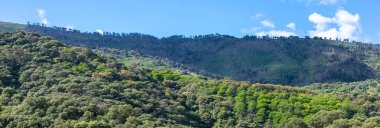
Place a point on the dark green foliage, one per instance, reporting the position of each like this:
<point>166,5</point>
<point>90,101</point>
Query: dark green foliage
<point>119,114</point>
<point>44,83</point>
<point>324,118</point>
<point>341,123</point>
<point>296,123</point>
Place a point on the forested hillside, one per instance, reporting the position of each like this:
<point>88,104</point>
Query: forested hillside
<point>279,60</point>
<point>44,83</point>
<point>136,60</point>
<point>11,27</point>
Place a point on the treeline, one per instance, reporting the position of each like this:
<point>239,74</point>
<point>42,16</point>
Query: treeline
<point>356,88</point>
<point>279,60</point>
<point>45,83</point>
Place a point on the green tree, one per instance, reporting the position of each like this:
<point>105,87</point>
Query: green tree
<point>325,118</point>
<point>296,123</point>
<point>119,113</point>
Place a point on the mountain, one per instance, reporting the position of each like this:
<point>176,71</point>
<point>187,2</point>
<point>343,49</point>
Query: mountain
<point>44,83</point>
<point>279,60</point>
<point>11,27</point>
<point>133,59</point>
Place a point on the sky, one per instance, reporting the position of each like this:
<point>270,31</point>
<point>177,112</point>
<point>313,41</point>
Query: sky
<point>344,19</point>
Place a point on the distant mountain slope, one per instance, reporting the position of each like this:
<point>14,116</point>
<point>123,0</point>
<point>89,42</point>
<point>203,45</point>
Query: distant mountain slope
<point>288,61</point>
<point>368,87</point>
<point>133,59</point>
<point>11,27</point>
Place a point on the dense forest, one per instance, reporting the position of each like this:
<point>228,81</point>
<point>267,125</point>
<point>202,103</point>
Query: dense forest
<point>279,60</point>
<point>45,83</point>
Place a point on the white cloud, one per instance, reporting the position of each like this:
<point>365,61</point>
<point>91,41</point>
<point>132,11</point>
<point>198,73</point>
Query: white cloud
<point>348,25</point>
<point>329,2</point>
<point>99,31</point>
<point>41,12</point>
<point>249,31</point>
<point>257,16</point>
<point>272,33</point>
<point>275,33</point>
<point>267,23</point>
<point>261,31</point>
<point>42,15</point>
<point>291,26</point>
<point>321,2</point>
<point>70,27</point>
<point>320,21</point>
<point>331,33</point>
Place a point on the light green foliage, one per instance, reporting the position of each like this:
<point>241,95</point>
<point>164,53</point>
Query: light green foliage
<point>82,67</point>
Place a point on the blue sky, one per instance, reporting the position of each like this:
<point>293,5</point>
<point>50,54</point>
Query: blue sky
<point>352,19</point>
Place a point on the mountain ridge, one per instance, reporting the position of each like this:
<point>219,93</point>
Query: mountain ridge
<point>280,60</point>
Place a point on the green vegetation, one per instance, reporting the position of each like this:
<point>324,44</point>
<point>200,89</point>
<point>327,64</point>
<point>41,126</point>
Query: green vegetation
<point>356,88</point>
<point>11,27</point>
<point>47,84</point>
<point>135,60</point>
<point>279,60</point>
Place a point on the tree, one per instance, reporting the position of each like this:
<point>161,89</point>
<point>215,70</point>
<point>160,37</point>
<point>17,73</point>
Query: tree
<point>325,118</point>
<point>341,123</point>
<point>296,123</point>
<point>82,68</point>
<point>240,103</point>
<point>260,117</point>
<point>119,113</point>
